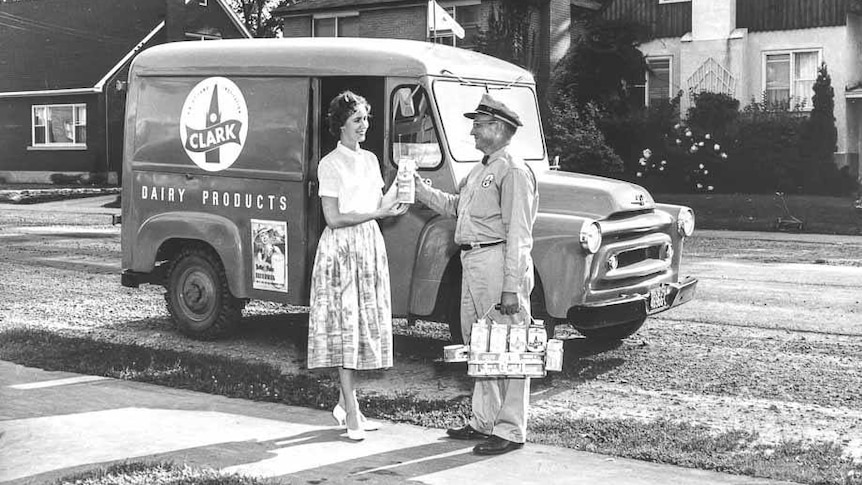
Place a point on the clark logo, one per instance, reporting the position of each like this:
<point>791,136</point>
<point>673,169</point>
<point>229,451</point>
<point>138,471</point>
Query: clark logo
<point>214,124</point>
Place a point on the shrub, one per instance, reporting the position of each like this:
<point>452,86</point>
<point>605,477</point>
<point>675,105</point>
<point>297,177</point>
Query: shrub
<point>66,179</point>
<point>714,113</point>
<point>630,133</point>
<point>684,160</point>
<point>819,142</point>
<point>574,136</point>
<point>765,156</point>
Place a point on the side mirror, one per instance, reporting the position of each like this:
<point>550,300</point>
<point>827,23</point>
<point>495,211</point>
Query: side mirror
<point>555,163</point>
<point>405,102</point>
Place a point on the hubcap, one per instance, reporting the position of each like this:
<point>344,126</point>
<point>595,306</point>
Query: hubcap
<point>198,293</point>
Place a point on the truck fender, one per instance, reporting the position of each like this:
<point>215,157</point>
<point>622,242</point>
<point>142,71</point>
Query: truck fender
<point>216,231</point>
<point>435,249</point>
<point>562,265</point>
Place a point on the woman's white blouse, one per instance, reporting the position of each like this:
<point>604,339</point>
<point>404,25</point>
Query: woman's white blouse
<point>353,177</point>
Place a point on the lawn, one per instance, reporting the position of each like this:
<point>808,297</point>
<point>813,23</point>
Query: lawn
<point>760,212</point>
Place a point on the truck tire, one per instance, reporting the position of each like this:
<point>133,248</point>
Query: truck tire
<point>198,297</point>
<point>617,332</point>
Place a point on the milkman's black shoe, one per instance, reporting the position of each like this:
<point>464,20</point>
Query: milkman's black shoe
<point>496,446</point>
<point>466,433</point>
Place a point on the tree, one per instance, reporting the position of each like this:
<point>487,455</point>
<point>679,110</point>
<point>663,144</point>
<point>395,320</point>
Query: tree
<point>822,133</point>
<point>819,142</point>
<point>574,137</point>
<point>509,35</point>
<point>255,14</point>
<point>603,65</point>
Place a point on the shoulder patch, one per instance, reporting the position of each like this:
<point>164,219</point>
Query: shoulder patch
<point>486,182</point>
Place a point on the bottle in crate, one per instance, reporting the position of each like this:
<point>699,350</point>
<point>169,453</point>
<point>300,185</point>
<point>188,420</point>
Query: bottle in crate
<point>518,338</point>
<point>499,337</point>
<point>479,336</point>
<point>554,355</point>
<point>537,337</point>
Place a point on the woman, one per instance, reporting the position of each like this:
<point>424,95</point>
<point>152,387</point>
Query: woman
<point>350,322</point>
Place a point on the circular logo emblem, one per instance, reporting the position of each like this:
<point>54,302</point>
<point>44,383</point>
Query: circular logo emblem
<point>214,123</point>
<point>486,182</point>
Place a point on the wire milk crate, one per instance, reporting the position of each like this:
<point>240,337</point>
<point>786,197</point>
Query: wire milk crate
<point>501,350</point>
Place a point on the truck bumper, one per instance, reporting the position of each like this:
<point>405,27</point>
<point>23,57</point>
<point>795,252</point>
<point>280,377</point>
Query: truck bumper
<point>134,279</point>
<point>632,307</point>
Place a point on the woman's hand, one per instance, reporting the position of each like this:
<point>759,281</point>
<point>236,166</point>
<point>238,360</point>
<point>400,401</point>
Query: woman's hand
<point>389,207</point>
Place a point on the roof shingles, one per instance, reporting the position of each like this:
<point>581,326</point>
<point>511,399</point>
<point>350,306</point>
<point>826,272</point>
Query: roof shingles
<point>67,44</point>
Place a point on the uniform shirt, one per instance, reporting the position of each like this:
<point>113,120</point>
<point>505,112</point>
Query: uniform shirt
<point>498,201</point>
<point>353,177</point>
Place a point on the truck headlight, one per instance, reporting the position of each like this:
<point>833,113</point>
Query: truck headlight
<point>685,222</point>
<point>591,237</point>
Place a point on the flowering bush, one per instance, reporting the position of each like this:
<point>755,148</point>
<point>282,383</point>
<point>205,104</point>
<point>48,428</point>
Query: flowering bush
<point>685,161</point>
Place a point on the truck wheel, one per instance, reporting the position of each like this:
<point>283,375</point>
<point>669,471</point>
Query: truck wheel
<point>617,332</point>
<point>198,297</point>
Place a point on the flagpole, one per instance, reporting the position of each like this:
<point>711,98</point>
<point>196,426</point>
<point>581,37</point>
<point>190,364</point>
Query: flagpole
<point>433,5</point>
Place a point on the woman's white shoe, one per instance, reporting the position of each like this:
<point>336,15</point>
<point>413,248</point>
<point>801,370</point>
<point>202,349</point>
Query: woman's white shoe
<point>367,424</point>
<point>356,434</point>
<point>340,416</point>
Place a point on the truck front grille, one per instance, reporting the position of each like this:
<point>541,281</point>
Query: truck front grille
<point>635,249</point>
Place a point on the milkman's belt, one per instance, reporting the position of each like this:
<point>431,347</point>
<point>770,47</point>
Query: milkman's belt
<point>467,247</point>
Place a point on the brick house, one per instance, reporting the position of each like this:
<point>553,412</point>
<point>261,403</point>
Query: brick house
<point>64,63</point>
<point>763,50</point>
<point>408,19</point>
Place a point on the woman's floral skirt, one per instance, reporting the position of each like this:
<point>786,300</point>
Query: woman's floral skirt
<point>350,321</point>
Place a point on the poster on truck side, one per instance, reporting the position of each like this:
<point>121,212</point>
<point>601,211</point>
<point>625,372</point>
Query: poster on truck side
<point>269,243</point>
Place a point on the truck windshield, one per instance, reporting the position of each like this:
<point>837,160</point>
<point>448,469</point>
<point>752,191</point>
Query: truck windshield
<point>455,98</point>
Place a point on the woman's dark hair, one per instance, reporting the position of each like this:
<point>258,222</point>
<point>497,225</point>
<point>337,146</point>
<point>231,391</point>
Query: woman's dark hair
<point>341,107</point>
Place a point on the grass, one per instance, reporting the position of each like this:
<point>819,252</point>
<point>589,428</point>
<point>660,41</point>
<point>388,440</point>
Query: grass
<point>696,446</point>
<point>161,473</point>
<point>660,441</point>
<point>759,212</point>
<point>213,374</point>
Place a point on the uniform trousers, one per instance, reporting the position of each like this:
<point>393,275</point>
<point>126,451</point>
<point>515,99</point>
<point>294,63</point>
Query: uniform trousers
<point>499,404</point>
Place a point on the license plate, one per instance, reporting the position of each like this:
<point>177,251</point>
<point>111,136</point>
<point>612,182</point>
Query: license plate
<point>658,298</point>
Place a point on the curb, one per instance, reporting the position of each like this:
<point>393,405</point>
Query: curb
<point>34,196</point>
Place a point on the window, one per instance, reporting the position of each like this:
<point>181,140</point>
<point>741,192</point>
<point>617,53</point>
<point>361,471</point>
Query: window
<point>414,134</point>
<point>455,98</point>
<point>60,125</point>
<point>658,80</point>
<point>789,77</point>
<point>343,25</point>
<point>467,16</point>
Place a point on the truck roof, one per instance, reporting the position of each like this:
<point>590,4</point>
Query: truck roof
<point>324,56</point>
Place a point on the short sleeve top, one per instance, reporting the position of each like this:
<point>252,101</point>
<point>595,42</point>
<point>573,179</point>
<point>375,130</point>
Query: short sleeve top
<point>353,177</point>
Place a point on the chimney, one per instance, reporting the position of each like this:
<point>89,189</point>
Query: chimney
<point>712,19</point>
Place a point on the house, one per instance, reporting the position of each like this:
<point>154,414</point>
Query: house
<point>410,19</point>
<point>64,65</point>
<point>762,50</point>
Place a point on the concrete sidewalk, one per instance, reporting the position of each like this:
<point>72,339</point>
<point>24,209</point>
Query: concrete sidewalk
<point>53,424</point>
